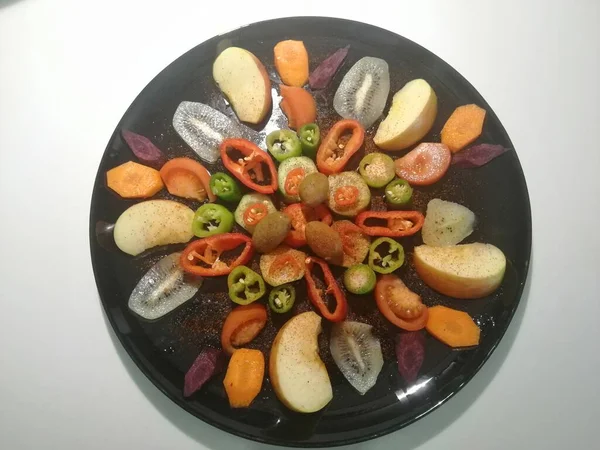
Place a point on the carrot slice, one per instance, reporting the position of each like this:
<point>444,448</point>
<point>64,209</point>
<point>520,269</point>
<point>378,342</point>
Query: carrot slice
<point>244,377</point>
<point>291,61</point>
<point>452,327</point>
<point>242,325</point>
<point>463,127</point>
<point>133,180</point>
<point>187,178</point>
<point>298,105</point>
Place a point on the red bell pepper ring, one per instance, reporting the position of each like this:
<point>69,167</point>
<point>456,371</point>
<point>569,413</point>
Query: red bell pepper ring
<point>337,148</point>
<point>316,295</point>
<point>300,214</point>
<point>399,223</point>
<point>209,250</point>
<point>249,168</point>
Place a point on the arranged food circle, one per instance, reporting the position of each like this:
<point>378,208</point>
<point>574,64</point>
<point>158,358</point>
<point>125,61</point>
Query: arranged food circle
<point>304,247</point>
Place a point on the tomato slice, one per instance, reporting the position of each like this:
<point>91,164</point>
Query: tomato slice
<point>293,180</point>
<point>255,213</point>
<point>424,165</point>
<point>300,214</point>
<point>187,178</point>
<point>346,195</point>
<point>400,305</point>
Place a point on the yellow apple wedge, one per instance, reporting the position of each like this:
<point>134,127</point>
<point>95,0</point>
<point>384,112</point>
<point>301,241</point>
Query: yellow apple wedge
<point>461,271</point>
<point>297,373</point>
<point>152,223</point>
<point>411,116</point>
<point>245,82</point>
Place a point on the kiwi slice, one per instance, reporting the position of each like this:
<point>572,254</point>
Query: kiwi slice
<point>357,353</point>
<point>162,289</point>
<point>363,92</point>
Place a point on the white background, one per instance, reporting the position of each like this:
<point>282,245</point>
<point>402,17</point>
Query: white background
<point>68,71</point>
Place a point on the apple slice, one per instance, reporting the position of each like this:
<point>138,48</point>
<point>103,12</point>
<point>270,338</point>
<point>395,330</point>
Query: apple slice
<point>152,223</point>
<point>245,82</point>
<point>411,116</point>
<point>461,271</point>
<point>297,373</point>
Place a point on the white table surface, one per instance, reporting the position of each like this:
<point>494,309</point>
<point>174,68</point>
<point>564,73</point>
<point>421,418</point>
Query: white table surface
<point>68,71</point>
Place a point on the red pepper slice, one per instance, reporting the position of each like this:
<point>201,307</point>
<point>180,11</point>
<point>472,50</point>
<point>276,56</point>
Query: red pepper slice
<point>293,180</point>
<point>316,295</point>
<point>399,223</point>
<point>249,168</point>
<point>209,251</point>
<point>337,147</point>
<point>255,213</point>
<point>346,195</point>
<point>300,214</point>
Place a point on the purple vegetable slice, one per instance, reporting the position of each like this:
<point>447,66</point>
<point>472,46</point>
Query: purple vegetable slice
<point>144,149</point>
<point>210,362</point>
<point>324,73</point>
<point>410,351</point>
<point>477,155</point>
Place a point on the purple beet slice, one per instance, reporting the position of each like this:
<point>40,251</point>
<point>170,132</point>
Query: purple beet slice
<point>477,155</point>
<point>144,149</point>
<point>210,362</point>
<point>324,73</point>
<point>410,352</point>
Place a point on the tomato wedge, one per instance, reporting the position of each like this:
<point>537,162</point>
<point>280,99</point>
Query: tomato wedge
<point>355,243</point>
<point>400,305</point>
<point>249,165</point>
<point>208,251</point>
<point>242,325</point>
<point>425,164</point>
<point>300,214</point>
<point>338,146</point>
<point>298,105</point>
<point>187,178</point>
<point>293,180</point>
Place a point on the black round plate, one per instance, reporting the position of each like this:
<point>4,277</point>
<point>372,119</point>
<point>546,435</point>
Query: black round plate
<point>164,349</point>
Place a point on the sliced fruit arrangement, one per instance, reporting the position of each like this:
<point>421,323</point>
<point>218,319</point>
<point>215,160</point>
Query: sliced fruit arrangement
<point>289,197</point>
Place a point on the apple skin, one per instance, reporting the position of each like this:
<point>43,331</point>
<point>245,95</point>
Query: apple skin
<point>245,82</point>
<point>461,271</point>
<point>408,101</point>
<point>297,373</point>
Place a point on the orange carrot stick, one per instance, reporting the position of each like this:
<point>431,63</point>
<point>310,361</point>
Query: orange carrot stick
<point>133,180</point>
<point>452,327</point>
<point>291,61</point>
<point>244,377</point>
<point>463,127</point>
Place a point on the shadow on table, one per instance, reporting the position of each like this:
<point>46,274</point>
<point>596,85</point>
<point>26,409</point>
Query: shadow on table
<point>5,3</point>
<point>410,437</point>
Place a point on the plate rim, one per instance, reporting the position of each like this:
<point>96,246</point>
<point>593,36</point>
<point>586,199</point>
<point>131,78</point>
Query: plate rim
<point>133,354</point>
